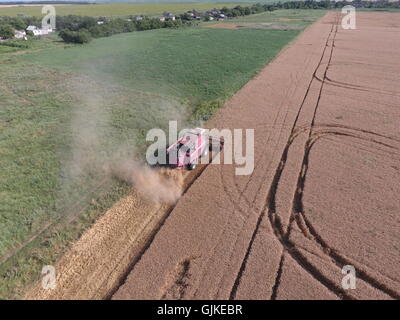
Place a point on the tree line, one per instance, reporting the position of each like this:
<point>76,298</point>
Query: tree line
<point>81,29</point>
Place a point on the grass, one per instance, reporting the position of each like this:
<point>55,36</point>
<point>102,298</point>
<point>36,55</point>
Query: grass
<point>66,111</point>
<point>7,49</point>
<point>396,10</point>
<point>114,9</point>
<point>290,16</point>
<point>173,62</point>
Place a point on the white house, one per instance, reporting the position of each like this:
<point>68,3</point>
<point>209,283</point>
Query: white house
<point>39,32</point>
<point>19,34</point>
<point>169,16</point>
<point>31,28</point>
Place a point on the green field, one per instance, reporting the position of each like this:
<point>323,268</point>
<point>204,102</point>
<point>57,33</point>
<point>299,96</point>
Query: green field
<point>114,9</point>
<point>66,111</point>
<point>291,16</point>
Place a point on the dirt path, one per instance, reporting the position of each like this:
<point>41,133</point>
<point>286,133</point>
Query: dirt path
<point>324,191</point>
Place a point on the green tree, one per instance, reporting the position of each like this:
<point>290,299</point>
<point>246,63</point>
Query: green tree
<point>6,31</point>
<point>81,36</point>
<point>19,24</point>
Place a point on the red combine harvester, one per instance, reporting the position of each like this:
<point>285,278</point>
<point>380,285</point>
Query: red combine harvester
<point>186,151</point>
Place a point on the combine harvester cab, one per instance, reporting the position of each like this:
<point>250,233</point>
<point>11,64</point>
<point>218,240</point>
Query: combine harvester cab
<point>186,151</point>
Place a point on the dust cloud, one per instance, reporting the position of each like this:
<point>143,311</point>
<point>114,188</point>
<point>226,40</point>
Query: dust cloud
<point>100,151</point>
<point>160,185</point>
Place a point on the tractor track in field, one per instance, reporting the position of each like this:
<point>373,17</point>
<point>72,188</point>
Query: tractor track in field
<point>264,155</point>
<point>280,234</point>
<point>297,215</point>
<point>240,193</point>
<point>350,86</point>
<point>236,198</point>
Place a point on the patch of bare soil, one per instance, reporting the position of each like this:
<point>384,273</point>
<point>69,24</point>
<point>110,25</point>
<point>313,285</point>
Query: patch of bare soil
<point>324,191</point>
<point>223,26</point>
<point>288,19</point>
<point>259,25</point>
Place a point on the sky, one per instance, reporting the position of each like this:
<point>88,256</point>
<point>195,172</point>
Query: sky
<point>183,1</point>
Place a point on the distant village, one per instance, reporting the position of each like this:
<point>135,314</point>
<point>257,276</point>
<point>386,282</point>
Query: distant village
<point>214,14</point>
<point>30,30</point>
<point>210,15</point>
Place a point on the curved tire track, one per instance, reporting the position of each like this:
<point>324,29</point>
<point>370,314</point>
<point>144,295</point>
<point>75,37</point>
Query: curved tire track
<point>297,208</point>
